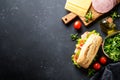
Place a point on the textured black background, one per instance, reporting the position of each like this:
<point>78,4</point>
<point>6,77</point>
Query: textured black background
<point>34,42</point>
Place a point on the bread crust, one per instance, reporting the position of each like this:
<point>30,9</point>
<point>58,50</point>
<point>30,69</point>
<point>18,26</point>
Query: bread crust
<point>89,50</point>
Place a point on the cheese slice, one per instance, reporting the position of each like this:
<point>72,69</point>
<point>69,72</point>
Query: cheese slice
<point>79,7</point>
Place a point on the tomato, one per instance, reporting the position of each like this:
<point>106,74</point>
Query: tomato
<point>97,66</point>
<point>82,43</point>
<point>103,60</point>
<point>75,57</point>
<point>77,25</point>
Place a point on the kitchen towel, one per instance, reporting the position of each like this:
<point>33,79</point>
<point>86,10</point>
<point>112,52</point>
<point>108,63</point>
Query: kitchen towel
<point>109,72</point>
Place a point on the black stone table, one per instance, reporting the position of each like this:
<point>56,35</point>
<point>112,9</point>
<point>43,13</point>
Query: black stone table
<point>35,44</point>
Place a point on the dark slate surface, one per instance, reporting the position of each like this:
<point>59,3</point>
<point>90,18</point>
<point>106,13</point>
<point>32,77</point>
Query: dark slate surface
<point>34,42</point>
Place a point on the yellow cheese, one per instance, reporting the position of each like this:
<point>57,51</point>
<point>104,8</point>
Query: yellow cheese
<point>79,7</point>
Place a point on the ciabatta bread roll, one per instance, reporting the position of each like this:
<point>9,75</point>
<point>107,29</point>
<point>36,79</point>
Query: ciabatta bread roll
<point>86,49</point>
<point>89,50</point>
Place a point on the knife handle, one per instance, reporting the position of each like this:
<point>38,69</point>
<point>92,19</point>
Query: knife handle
<point>69,17</point>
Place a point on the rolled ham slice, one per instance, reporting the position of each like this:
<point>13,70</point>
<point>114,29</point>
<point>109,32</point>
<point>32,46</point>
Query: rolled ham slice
<point>103,6</point>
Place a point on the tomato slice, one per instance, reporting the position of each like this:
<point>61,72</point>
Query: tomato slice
<point>82,42</point>
<point>75,57</point>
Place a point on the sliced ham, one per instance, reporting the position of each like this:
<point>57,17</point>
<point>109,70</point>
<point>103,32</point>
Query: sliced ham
<point>103,6</point>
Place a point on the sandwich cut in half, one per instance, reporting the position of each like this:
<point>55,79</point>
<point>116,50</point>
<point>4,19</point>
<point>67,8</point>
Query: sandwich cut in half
<point>86,49</point>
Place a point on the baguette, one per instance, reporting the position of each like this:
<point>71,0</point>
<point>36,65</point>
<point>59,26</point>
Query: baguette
<point>89,50</point>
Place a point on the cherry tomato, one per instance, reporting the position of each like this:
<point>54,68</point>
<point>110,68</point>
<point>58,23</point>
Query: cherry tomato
<point>77,25</point>
<point>103,60</point>
<point>97,66</point>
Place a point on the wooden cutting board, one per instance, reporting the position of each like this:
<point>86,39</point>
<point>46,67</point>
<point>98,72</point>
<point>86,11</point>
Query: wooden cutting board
<point>69,17</point>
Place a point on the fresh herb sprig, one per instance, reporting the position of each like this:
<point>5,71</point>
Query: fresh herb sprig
<point>115,15</point>
<point>91,72</point>
<point>88,16</point>
<point>74,36</point>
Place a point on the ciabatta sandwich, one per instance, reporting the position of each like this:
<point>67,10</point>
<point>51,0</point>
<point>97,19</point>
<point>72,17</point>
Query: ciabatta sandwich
<point>86,49</point>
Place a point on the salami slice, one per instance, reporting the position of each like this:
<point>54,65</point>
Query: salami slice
<point>103,6</point>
